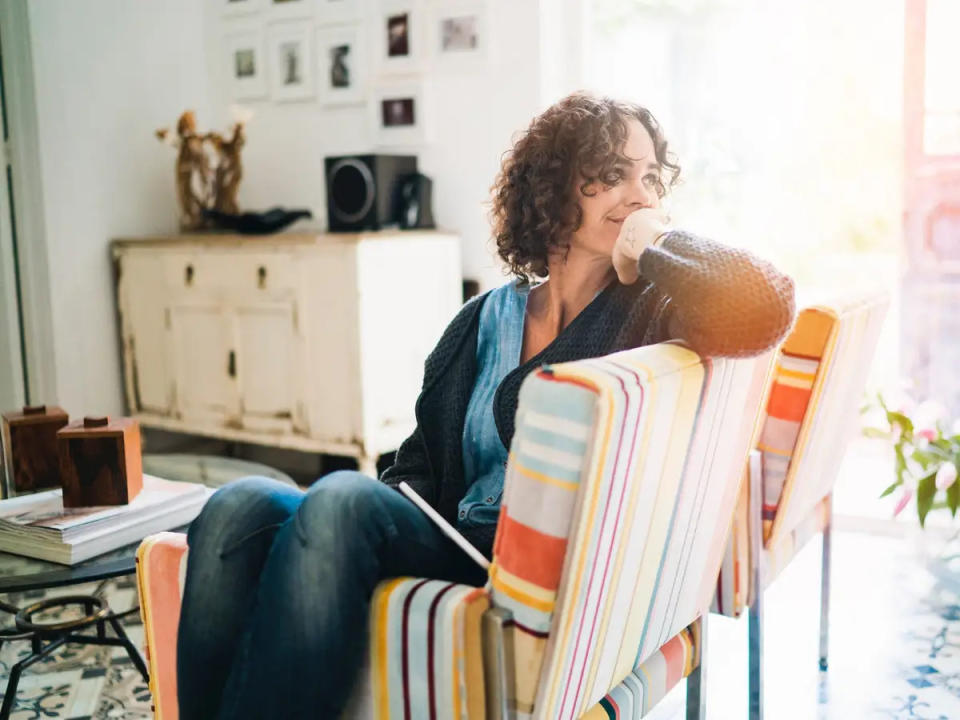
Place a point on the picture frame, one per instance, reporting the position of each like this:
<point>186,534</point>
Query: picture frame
<point>291,9</point>
<point>244,64</point>
<point>291,61</point>
<point>400,114</point>
<point>342,64</point>
<point>459,34</point>
<point>398,37</point>
<point>331,12</point>
<point>238,8</point>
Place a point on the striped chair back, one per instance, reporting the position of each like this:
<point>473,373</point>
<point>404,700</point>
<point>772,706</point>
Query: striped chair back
<point>819,381</point>
<point>621,482</point>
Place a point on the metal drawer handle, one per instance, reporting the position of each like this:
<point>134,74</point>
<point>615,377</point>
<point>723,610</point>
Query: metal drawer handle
<point>188,275</point>
<point>232,364</point>
<point>261,277</point>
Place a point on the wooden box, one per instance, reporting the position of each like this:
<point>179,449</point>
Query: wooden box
<point>30,448</point>
<point>100,462</point>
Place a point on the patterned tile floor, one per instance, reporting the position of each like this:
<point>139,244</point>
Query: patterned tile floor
<point>894,642</point>
<point>80,682</point>
<point>894,651</point>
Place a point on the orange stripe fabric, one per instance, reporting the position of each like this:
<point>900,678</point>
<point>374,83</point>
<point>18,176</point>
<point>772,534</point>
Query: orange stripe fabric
<point>788,403</point>
<point>530,554</point>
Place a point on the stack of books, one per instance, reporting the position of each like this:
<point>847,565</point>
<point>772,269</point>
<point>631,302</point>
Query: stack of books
<point>39,526</point>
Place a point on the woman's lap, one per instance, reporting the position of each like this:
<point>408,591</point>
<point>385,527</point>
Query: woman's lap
<point>290,574</point>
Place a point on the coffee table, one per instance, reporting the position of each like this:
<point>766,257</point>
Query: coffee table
<point>19,574</point>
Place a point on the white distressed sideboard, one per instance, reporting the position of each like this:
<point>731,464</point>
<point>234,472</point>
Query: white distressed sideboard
<point>308,341</point>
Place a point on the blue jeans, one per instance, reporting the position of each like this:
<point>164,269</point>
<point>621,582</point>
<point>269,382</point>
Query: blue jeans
<point>278,587</point>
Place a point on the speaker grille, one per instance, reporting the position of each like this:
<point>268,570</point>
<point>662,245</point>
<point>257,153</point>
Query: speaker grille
<point>352,190</point>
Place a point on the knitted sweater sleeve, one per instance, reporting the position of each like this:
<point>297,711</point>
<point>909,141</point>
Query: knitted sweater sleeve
<point>720,300</point>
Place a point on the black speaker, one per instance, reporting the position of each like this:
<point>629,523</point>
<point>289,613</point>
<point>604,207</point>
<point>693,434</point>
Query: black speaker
<point>416,207</point>
<point>363,191</point>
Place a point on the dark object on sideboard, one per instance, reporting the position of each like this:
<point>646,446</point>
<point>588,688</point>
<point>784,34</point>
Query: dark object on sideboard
<point>100,461</point>
<point>471,288</point>
<point>416,202</point>
<point>30,448</point>
<point>251,223</point>
<point>363,191</point>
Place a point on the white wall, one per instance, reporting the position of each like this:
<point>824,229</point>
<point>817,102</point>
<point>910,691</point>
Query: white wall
<point>474,114</point>
<point>107,73</point>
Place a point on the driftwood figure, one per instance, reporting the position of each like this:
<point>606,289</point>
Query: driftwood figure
<point>208,170</point>
<point>229,170</point>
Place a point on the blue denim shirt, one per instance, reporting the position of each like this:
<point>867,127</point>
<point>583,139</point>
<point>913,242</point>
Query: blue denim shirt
<point>499,343</point>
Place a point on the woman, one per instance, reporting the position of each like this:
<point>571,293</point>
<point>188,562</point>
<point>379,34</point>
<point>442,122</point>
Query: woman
<point>279,581</point>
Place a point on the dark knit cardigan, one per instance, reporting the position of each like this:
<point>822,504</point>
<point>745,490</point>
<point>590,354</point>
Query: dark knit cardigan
<point>719,300</point>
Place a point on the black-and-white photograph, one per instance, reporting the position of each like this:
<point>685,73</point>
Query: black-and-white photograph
<point>398,112</point>
<point>340,62</point>
<point>341,67</point>
<point>244,63</point>
<point>289,9</point>
<point>232,8</point>
<point>398,35</point>
<point>459,34</point>
<point>291,64</point>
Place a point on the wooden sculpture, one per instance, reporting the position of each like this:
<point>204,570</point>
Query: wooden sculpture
<point>30,448</point>
<point>100,461</point>
<point>208,170</point>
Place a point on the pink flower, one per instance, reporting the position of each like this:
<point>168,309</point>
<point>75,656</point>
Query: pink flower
<point>928,434</point>
<point>902,502</point>
<point>946,476</point>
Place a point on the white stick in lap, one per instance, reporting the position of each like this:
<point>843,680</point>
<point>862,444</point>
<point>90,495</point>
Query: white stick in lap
<point>447,528</point>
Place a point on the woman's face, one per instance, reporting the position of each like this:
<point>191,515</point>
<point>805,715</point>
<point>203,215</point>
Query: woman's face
<point>605,209</point>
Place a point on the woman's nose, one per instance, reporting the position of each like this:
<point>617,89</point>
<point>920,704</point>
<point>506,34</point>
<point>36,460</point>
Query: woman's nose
<point>641,195</point>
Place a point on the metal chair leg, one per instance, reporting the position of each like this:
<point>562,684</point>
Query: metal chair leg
<point>755,614</point>
<point>697,680</point>
<point>825,589</point>
<point>755,651</point>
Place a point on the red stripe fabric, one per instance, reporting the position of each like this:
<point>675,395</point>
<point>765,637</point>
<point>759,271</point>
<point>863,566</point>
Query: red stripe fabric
<point>530,554</point>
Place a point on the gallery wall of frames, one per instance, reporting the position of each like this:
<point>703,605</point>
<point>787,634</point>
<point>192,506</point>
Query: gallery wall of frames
<point>371,53</point>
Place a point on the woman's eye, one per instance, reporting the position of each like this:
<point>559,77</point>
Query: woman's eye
<point>651,180</point>
<point>613,177</point>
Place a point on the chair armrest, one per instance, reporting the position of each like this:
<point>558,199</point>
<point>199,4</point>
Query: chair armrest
<point>161,566</point>
<point>426,650</point>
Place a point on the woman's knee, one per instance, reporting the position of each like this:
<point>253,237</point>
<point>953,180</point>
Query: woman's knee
<point>240,508</point>
<point>345,507</point>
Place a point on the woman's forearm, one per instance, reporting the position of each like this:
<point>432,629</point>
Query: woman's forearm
<point>722,300</point>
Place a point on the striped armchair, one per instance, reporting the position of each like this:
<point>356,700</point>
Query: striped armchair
<point>811,413</point>
<point>623,475</point>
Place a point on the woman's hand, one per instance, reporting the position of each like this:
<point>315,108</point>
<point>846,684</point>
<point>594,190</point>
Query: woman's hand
<point>640,229</point>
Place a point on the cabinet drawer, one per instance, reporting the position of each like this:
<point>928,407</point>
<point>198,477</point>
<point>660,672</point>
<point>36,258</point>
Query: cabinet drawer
<point>231,271</point>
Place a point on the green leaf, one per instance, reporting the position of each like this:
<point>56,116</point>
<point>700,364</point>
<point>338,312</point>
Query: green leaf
<point>926,489</point>
<point>890,489</point>
<point>902,420</point>
<point>873,432</point>
<point>900,462</point>
<point>953,498</point>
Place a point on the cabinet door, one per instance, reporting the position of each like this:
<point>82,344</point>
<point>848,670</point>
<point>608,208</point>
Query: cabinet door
<point>267,365</point>
<point>144,328</point>
<point>205,362</point>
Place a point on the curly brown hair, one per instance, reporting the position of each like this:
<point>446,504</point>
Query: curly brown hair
<point>578,141</point>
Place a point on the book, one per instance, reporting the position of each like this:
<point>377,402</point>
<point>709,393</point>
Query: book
<point>39,526</point>
<point>446,528</point>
